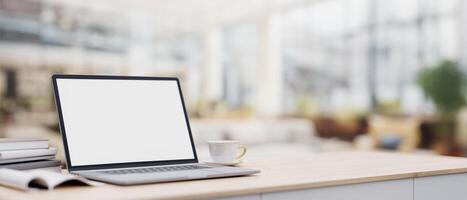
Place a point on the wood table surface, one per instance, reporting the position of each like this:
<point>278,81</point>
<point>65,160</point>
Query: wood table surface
<point>277,174</point>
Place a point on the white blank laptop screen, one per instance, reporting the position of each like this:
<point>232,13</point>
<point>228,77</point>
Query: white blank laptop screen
<point>117,121</point>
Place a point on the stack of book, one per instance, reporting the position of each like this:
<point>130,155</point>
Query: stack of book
<point>23,154</point>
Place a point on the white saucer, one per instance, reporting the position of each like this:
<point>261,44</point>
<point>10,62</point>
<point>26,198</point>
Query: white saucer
<point>231,163</point>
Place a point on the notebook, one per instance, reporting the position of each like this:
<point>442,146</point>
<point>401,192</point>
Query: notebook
<point>14,154</point>
<point>32,164</point>
<point>29,159</point>
<point>17,144</point>
<point>39,179</point>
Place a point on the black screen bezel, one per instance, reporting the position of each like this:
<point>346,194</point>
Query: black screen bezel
<point>125,164</point>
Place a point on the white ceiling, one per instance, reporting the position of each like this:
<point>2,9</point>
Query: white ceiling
<point>191,15</point>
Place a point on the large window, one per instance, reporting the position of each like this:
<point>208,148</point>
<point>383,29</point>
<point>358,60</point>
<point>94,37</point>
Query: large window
<point>360,53</point>
<point>240,61</point>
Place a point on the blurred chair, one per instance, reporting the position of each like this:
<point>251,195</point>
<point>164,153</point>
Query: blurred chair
<point>405,129</point>
<point>462,128</point>
<point>332,127</point>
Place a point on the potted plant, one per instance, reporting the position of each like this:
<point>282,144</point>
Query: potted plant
<point>445,85</point>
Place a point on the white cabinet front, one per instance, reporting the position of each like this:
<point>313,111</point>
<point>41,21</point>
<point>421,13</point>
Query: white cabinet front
<point>384,190</point>
<point>452,187</point>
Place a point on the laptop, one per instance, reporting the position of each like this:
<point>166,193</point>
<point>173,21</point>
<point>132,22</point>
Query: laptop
<point>129,130</point>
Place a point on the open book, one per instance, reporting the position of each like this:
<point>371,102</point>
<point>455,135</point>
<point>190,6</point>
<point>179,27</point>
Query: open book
<point>38,179</point>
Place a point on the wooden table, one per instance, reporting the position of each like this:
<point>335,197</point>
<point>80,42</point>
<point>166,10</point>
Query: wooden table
<point>331,176</point>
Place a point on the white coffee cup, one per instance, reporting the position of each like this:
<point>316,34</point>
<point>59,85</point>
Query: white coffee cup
<point>225,151</point>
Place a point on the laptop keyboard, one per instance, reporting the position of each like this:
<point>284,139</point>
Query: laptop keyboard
<point>155,169</point>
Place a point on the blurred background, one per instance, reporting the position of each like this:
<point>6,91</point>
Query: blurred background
<point>281,76</point>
